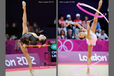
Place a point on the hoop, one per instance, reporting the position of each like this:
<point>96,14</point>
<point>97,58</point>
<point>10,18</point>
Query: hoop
<point>89,13</point>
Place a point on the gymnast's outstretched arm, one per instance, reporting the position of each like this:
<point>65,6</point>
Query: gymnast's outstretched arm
<point>78,25</point>
<point>24,24</point>
<point>95,20</point>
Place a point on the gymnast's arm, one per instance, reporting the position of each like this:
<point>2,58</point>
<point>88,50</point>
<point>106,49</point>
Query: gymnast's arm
<point>78,25</point>
<point>34,34</point>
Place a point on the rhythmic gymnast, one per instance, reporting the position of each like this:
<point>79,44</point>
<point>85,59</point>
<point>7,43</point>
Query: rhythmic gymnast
<point>89,34</point>
<point>29,38</point>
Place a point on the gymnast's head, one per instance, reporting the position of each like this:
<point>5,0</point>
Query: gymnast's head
<point>42,39</point>
<point>81,35</point>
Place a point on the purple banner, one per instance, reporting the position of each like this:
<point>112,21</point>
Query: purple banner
<point>81,57</point>
<point>19,61</point>
<point>11,48</point>
<point>69,45</point>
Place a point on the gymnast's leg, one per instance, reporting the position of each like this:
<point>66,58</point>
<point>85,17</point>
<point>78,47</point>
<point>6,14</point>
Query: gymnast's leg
<point>95,20</point>
<point>93,28</point>
<point>24,24</point>
<point>90,48</point>
<point>25,30</point>
<point>25,52</point>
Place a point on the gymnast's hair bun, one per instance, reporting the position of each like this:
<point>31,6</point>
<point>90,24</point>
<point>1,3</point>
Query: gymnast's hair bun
<point>42,39</point>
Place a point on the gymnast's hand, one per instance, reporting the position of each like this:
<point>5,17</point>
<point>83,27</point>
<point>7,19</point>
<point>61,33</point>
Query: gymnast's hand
<point>39,46</point>
<point>24,45</point>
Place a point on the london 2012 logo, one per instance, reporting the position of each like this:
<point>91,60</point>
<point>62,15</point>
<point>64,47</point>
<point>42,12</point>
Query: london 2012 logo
<point>64,46</point>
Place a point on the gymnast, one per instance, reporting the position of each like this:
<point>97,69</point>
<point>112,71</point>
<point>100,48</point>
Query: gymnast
<point>29,38</point>
<point>89,34</point>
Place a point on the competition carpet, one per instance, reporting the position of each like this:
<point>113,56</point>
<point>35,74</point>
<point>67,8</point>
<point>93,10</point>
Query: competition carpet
<point>96,70</point>
<point>37,71</point>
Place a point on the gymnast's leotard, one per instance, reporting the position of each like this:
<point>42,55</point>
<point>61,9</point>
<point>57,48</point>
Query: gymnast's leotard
<point>29,39</point>
<point>93,39</point>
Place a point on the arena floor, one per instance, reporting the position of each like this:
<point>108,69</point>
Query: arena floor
<point>96,70</point>
<point>37,72</point>
<point>64,70</point>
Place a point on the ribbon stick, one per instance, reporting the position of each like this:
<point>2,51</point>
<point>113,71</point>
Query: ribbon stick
<point>37,45</point>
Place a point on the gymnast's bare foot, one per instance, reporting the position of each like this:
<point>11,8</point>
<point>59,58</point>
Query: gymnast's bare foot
<point>88,65</point>
<point>88,70</point>
<point>24,5</point>
<point>100,3</point>
<point>32,73</point>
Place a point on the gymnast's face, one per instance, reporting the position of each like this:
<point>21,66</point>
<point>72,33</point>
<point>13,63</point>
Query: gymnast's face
<point>81,35</point>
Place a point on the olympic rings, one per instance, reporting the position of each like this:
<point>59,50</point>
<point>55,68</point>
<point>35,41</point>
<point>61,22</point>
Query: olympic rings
<point>65,47</point>
<point>88,6</point>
